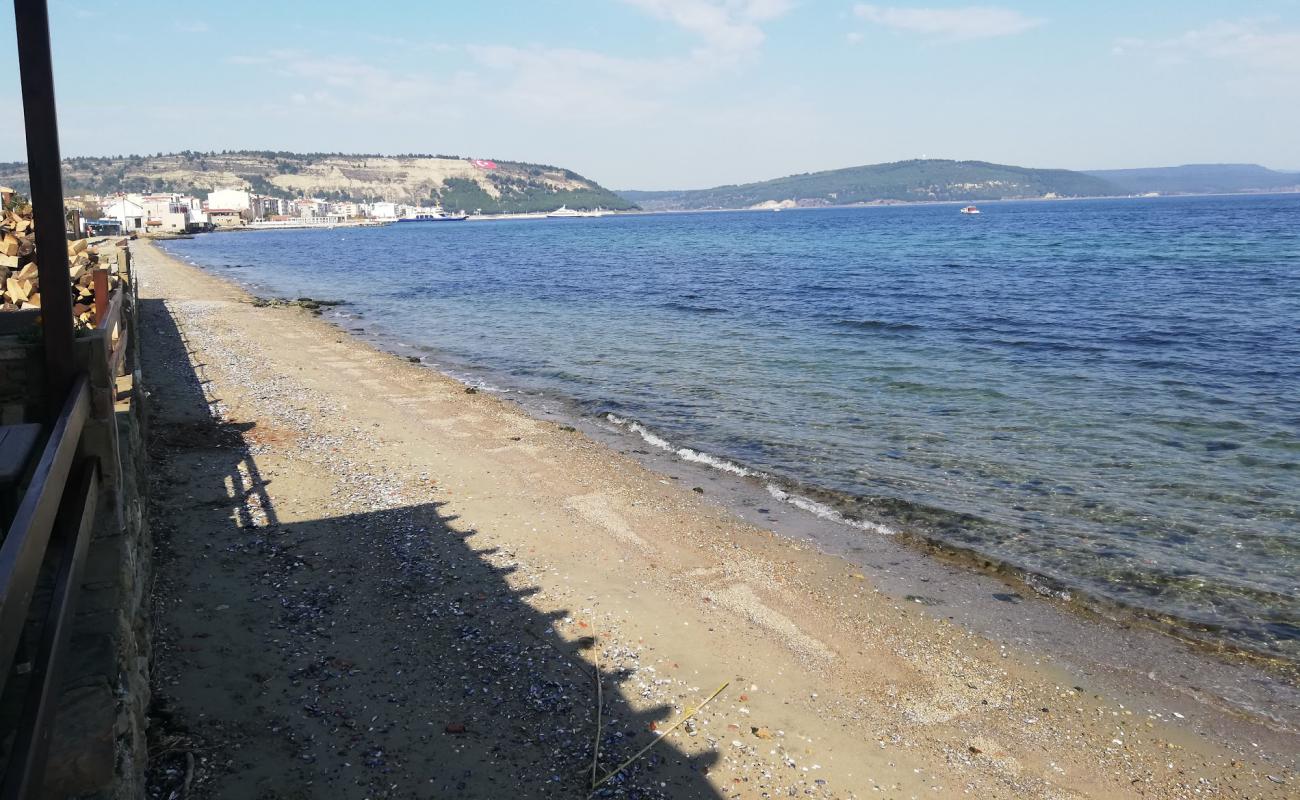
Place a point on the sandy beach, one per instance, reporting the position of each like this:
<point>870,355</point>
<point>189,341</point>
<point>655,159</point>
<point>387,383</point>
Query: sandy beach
<point>373,582</point>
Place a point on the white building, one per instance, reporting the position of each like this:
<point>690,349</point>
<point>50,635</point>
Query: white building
<point>165,212</point>
<point>383,210</point>
<point>313,208</point>
<point>131,214</point>
<point>265,206</point>
<point>198,217</point>
<point>238,199</point>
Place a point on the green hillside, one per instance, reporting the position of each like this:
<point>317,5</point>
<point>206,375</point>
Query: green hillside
<point>917,180</point>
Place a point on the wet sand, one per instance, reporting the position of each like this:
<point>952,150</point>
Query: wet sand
<point>373,583</point>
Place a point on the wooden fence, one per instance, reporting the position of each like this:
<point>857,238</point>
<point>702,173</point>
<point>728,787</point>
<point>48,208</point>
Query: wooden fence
<point>50,536</point>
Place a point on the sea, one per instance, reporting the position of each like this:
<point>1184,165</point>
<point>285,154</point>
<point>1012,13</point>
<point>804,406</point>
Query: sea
<point>1099,396</point>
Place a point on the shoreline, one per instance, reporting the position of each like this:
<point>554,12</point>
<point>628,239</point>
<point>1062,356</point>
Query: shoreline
<point>907,203</point>
<point>836,530</point>
<point>894,572</point>
<point>541,215</point>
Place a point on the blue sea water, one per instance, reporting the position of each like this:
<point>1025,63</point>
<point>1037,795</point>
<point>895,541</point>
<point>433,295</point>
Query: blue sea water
<point>1105,393</point>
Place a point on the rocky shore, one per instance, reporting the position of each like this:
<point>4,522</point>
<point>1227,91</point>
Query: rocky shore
<point>373,583</point>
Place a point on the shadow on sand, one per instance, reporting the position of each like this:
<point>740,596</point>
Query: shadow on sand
<point>370,655</point>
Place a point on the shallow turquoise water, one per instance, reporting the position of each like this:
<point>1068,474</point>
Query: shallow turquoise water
<point>1102,393</point>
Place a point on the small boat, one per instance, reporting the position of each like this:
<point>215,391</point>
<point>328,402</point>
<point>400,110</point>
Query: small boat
<point>970,210</point>
<point>564,212</point>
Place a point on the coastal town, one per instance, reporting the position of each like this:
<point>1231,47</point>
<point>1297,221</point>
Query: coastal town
<point>173,213</point>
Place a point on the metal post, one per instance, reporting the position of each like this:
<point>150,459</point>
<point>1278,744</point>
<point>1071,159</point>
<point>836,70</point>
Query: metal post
<point>43,166</point>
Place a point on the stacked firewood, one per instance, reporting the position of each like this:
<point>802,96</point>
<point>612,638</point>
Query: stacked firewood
<point>19,283</point>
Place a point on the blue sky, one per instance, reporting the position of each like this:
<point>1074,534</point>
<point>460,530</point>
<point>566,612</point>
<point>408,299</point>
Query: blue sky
<point>681,93</point>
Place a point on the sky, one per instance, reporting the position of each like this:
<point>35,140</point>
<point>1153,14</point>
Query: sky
<point>670,94</point>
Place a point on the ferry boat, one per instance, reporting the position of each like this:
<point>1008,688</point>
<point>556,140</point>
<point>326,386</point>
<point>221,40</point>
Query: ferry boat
<point>970,210</point>
<point>430,215</point>
<point>564,212</point>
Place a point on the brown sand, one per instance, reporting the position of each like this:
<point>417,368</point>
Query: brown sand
<point>375,584</point>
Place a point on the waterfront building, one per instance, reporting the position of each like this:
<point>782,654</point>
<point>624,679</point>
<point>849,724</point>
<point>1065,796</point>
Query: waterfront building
<point>227,217</point>
<point>130,213</point>
<point>237,199</point>
<point>384,210</point>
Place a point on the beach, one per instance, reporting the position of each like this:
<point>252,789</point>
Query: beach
<point>376,582</point>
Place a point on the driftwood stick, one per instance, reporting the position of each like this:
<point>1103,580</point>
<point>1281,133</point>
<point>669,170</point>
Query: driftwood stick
<point>690,712</point>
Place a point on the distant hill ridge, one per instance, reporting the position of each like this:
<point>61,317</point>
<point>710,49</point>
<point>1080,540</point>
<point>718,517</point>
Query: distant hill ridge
<point>942,179</point>
<point>454,182</point>
<point>1199,179</point>
<point>915,180</point>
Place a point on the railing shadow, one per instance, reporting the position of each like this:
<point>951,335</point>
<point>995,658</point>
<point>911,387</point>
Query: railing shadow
<point>375,654</point>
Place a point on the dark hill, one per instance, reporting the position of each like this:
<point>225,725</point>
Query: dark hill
<point>929,179</point>
<point>1199,179</point>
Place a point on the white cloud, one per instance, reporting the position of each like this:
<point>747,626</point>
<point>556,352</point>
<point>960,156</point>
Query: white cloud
<point>729,28</point>
<point>1250,43</point>
<point>949,24</point>
<point>565,83</point>
<point>348,88</point>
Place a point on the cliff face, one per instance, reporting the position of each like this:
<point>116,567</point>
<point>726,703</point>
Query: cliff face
<point>456,183</point>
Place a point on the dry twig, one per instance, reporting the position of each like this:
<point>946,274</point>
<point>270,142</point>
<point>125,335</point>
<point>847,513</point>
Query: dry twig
<point>690,712</point>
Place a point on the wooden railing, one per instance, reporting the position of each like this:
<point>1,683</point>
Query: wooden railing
<point>51,527</point>
<point>50,536</point>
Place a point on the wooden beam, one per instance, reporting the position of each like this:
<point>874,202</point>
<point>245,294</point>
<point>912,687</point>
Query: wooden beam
<point>24,546</point>
<point>100,276</point>
<point>25,771</point>
<point>36,70</point>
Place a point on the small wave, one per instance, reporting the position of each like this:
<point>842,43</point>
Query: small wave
<point>826,512</point>
<point>813,507</point>
<point>641,430</point>
<point>684,453</point>
<point>687,454</point>
<point>694,309</point>
<point>1150,338</point>
<point>1046,346</point>
<point>876,325</point>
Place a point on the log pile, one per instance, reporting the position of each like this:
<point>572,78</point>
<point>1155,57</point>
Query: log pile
<point>19,284</point>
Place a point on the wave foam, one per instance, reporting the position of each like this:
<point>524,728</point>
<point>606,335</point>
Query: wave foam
<point>684,453</point>
<point>641,430</point>
<point>826,512</point>
<point>687,454</point>
<point>721,464</point>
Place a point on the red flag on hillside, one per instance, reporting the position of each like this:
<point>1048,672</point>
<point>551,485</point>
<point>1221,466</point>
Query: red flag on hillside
<point>481,164</point>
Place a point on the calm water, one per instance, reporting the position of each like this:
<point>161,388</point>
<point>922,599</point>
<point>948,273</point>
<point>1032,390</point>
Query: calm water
<point>1103,393</point>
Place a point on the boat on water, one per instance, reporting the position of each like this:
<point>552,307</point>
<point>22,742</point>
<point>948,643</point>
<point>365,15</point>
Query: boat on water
<point>431,215</point>
<point>564,212</point>
<point>970,210</point>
